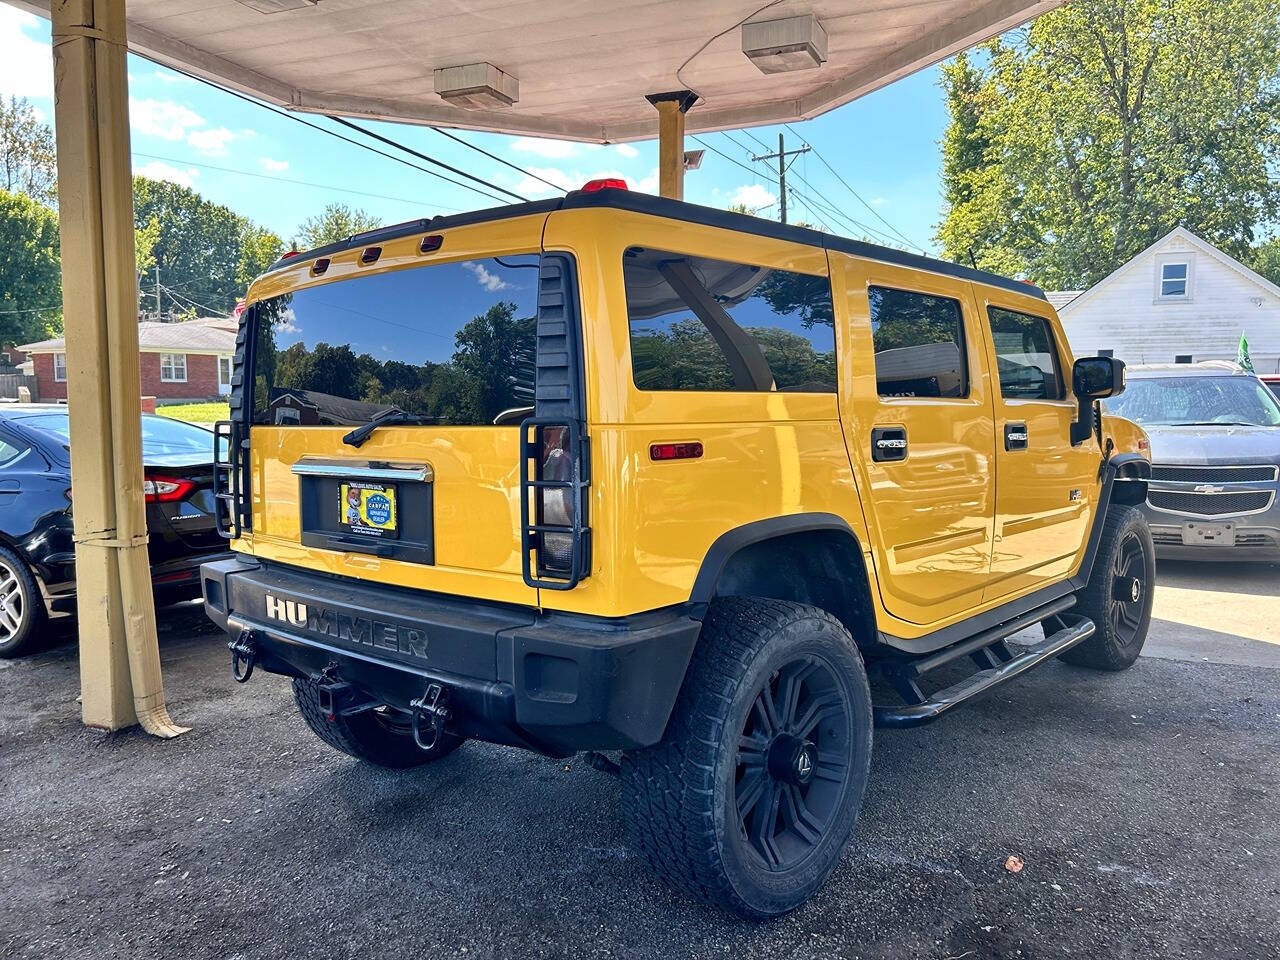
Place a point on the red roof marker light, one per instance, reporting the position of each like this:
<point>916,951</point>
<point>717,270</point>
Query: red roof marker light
<point>606,183</point>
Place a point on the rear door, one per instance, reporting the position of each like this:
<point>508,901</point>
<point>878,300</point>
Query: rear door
<point>440,327</point>
<point>1045,487</point>
<point>916,404</point>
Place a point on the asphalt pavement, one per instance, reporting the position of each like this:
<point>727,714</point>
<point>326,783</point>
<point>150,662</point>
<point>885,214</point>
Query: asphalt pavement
<point>1144,806</point>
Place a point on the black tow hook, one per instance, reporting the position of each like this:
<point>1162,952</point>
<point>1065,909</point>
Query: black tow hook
<point>431,711</point>
<point>244,652</point>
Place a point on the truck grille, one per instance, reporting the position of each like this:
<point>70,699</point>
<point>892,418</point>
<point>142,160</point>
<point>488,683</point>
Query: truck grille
<point>1210,504</point>
<point>1197,474</point>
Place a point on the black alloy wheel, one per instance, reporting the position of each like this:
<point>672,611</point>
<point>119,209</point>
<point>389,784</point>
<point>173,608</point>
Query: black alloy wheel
<point>1128,589</point>
<point>794,760</point>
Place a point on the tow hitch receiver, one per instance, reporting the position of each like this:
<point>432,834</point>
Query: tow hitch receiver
<point>244,652</point>
<point>430,713</point>
<point>337,698</point>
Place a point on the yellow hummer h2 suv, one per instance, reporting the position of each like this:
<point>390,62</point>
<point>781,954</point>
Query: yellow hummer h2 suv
<point>614,473</point>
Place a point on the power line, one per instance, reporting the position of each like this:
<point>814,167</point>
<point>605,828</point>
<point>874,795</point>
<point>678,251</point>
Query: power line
<point>818,153</point>
<point>427,157</point>
<point>334,133</point>
<point>494,156</point>
<point>301,183</point>
<point>856,226</point>
<point>187,301</point>
<point>32,310</point>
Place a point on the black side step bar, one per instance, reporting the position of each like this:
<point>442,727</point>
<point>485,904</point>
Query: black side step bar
<point>1007,666</point>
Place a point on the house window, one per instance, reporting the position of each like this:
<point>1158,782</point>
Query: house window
<point>1183,358</point>
<point>1175,280</point>
<point>224,372</point>
<point>1106,353</point>
<point>173,367</point>
<point>60,368</point>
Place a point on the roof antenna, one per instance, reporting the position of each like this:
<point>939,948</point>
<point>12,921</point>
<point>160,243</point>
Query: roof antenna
<point>972,259</point>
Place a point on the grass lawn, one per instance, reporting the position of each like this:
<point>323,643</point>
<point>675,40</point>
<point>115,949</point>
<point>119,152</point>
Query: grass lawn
<point>195,412</point>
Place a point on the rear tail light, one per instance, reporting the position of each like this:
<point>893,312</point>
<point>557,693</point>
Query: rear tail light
<point>557,503</point>
<point>158,489</point>
<point>553,490</point>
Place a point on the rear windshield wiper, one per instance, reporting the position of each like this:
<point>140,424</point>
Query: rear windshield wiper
<point>361,433</point>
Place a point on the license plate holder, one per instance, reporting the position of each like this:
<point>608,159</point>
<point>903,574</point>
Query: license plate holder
<point>369,509</point>
<point>1208,534</point>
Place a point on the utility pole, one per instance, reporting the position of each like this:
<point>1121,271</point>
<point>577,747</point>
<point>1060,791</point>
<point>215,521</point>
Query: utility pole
<point>781,157</point>
<point>158,314</point>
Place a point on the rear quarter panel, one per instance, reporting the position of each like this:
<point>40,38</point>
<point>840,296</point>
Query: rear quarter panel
<point>766,454</point>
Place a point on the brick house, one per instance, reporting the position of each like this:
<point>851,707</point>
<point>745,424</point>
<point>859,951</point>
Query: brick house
<point>176,361</point>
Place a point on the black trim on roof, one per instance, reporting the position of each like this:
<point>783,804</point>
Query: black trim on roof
<point>410,227</point>
<point>617,199</point>
<point>743,223</point>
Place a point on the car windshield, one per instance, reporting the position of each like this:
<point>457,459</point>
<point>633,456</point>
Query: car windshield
<point>1197,401</point>
<point>161,437</point>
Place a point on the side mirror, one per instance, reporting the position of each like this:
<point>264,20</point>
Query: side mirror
<point>1093,379</point>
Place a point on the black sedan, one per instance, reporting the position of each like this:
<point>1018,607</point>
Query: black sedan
<point>37,547</point>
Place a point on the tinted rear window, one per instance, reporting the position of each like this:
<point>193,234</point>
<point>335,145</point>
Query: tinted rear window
<point>703,324</point>
<point>452,342</point>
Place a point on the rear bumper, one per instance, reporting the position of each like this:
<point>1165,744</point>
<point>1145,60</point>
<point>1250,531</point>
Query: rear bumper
<point>171,581</point>
<point>557,683</point>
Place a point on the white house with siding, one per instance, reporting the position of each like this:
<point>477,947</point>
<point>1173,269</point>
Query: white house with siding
<point>1181,299</point>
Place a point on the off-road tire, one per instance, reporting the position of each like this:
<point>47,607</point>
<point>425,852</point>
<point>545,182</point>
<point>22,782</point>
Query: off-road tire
<point>22,602</point>
<point>1125,552</point>
<point>367,736</point>
<point>680,797</point>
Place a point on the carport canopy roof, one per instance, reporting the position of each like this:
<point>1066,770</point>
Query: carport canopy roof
<point>584,67</point>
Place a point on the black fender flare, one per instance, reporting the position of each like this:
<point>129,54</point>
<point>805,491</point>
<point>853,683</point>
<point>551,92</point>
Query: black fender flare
<point>1131,472</point>
<point>730,542</point>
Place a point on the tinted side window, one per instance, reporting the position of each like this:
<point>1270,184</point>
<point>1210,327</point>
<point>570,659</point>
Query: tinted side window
<point>453,343</point>
<point>704,324</point>
<point>11,451</point>
<point>919,344</point>
<point>1025,356</point>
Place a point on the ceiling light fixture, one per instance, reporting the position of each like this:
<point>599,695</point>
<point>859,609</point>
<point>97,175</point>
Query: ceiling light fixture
<point>476,86</point>
<point>780,46</point>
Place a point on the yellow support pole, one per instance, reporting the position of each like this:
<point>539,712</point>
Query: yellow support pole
<point>671,110</point>
<point>119,653</point>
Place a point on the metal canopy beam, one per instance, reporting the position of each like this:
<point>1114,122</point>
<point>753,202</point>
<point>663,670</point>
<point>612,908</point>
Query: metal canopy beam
<point>581,76</point>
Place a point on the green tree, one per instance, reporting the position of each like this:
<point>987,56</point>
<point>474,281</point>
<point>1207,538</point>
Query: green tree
<point>1084,137</point>
<point>28,163</point>
<point>30,270</point>
<point>205,252</point>
<point>1265,258</point>
<point>494,350</point>
<point>337,222</point>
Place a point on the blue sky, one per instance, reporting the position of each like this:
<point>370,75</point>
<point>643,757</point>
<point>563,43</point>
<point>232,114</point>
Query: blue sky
<point>278,172</point>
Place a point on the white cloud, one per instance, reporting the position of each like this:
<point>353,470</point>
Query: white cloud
<point>626,150</point>
<point>163,118</point>
<point>271,165</point>
<point>878,201</point>
<point>168,76</point>
<point>490,281</point>
<point>574,179</point>
<point>212,142</point>
<point>285,322</point>
<point>550,149</point>
<point>753,196</point>
<point>159,170</point>
<point>26,69</point>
